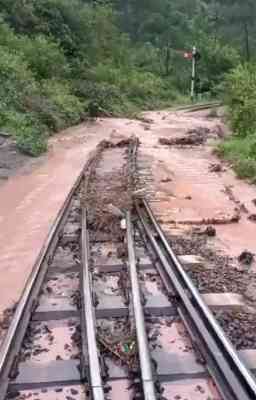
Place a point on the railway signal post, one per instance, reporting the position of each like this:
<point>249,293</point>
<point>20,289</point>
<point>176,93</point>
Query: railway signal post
<point>193,76</point>
<point>194,56</point>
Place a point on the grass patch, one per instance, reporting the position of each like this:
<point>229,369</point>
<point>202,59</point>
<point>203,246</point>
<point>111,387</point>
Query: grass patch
<point>241,152</point>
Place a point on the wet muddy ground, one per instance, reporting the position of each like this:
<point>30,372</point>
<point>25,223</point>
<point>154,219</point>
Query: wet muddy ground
<point>108,195</point>
<point>203,208</point>
<point>116,335</point>
<point>12,161</point>
<point>189,189</point>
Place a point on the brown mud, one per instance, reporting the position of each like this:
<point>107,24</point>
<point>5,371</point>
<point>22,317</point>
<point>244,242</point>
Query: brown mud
<point>186,183</point>
<point>109,193</point>
<point>12,160</point>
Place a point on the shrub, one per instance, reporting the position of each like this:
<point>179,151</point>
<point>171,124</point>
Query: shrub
<point>16,81</point>
<point>217,60</point>
<point>104,94</point>
<point>140,87</point>
<point>240,97</point>
<point>47,112</point>
<point>68,106</point>
<point>241,151</point>
<point>30,135</point>
<point>45,57</point>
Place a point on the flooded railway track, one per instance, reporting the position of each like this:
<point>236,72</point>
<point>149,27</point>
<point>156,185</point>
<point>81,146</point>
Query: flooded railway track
<point>108,311</point>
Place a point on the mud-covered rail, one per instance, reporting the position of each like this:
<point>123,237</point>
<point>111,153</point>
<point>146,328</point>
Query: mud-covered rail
<point>10,348</point>
<point>200,107</point>
<point>143,348</point>
<point>102,305</point>
<point>88,317</point>
<point>232,378</point>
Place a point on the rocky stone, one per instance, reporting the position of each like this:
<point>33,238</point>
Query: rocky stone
<point>4,171</point>
<point>4,134</point>
<point>166,179</point>
<point>252,217</point>
<point>210,231</point>
<point>250,292</point>
<point>13,395</point>
<point>219,131</point>
<point>246,258</point>
<point>215,167</point>
<point>139,193</point>
<point>240,327</point>
<point>115,211</point>
<point>122,251</point>
<point>193,139</point>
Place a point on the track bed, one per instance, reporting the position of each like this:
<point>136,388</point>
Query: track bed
<point>109,311</point>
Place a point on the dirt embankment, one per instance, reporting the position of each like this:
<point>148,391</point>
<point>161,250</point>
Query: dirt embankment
<point>13,161</point>
<point>10,158</point>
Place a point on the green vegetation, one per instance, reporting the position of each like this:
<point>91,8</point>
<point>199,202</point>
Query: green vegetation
<point>242,153</point>
<point>240,97</point>
<point>61,60</point>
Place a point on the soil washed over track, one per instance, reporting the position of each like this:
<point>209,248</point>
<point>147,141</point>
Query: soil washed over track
<point>109,313</point>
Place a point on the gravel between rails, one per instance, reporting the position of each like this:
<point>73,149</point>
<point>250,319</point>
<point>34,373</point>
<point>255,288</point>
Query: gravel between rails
<point>217,274</point>
<point>220,276</point>
<point>240,327</point>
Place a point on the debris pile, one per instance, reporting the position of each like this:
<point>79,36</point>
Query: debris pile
<point>194,139</point>
<point>215,167</point>
<point>111,175</point>
<point>6,319</point>
<point>246,258</point>
<point>252,217</point>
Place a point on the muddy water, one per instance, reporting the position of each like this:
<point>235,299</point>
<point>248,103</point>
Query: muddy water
<point>29,204</point>
<point>184,187</point>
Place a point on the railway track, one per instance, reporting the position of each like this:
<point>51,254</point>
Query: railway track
<point>200,107</point>
<point>108,310</point>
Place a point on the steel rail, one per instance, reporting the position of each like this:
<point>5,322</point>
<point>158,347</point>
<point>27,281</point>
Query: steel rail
<point>233,379</point>
<point>11,345</point>
<point>199,107</point>
<point>12,342</point>
<point>89,316</point>
<point>144,355</point>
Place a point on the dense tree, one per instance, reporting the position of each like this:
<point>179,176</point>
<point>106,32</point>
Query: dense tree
<point>122,54</point>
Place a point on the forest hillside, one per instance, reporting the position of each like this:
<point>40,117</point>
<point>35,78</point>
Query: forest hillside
<point>61,60</point>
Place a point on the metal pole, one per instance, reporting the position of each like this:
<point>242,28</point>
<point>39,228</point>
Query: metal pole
<point>193,76</point>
